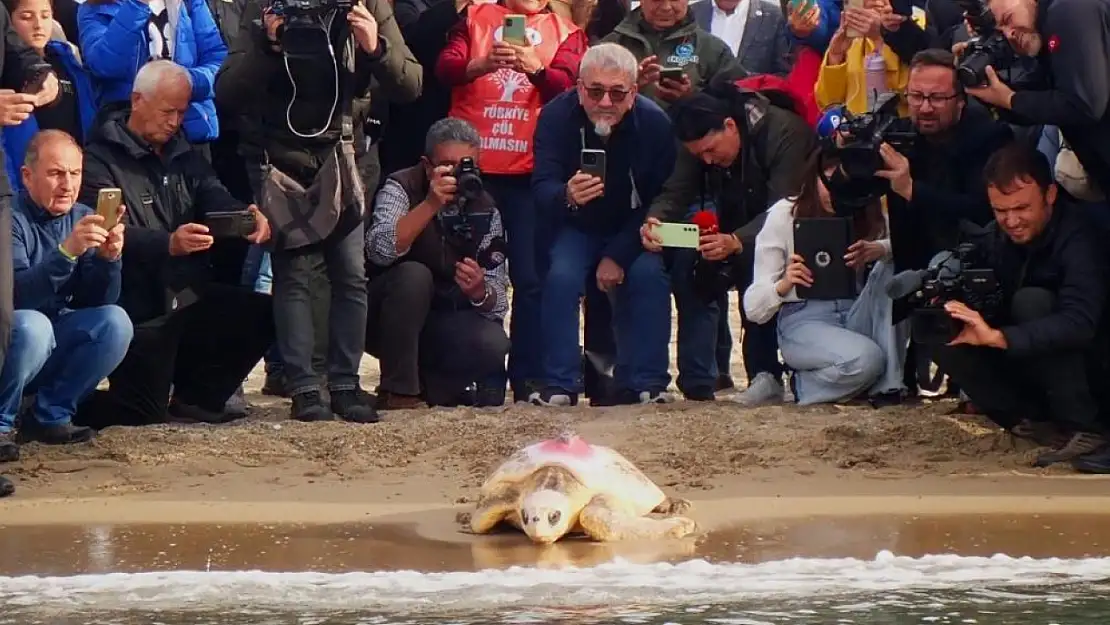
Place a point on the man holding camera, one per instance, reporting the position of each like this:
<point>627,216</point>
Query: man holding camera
<point>1071,39</point>
<point>193,335</point>
<point>439,284</point>
<point>300,73</point>
<point>1032,375</point>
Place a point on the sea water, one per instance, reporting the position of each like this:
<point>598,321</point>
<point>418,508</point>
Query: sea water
<point>885,590</point>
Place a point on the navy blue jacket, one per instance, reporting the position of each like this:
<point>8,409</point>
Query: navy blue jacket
<point>16,138</point>
<point>641,144</point>
<point>46,280</point>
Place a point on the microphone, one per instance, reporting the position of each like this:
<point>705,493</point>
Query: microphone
<point>706,221</point>
<point>945,264</point>
<point>493,255</point>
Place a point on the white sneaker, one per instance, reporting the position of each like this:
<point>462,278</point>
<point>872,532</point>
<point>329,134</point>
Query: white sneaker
<point>764,389</point>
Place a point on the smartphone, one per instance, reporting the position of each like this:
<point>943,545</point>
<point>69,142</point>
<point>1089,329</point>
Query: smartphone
<point>39,73</point>
<point>822,242</point>
<point>672,73</point>
<point>108,202</point>
<point>801,7</point>
<point>678,235</point>
<point>230,224</point>
<point>593,163</point>
<point>514,30</point>
<point>851,32</point>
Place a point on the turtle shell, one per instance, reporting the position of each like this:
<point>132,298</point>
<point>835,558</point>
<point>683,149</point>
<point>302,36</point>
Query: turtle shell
<point>601,469</point>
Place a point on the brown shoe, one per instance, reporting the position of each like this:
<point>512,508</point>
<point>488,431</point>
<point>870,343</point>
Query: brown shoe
<point>1081,444</point>
<point>396,401</point>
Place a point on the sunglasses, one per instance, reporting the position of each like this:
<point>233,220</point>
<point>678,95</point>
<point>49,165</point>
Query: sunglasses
<point>616,94</point>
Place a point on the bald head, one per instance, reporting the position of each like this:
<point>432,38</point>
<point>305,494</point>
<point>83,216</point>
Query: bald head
<point>159,98</point>
<point>51,171</point>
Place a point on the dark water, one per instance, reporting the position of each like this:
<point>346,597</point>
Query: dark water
<point>866,571</point>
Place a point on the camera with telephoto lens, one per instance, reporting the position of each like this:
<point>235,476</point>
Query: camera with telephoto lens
<point>962,277</point>
<point>468,179</point>
<point>864,134</point>
<point>988,47</point>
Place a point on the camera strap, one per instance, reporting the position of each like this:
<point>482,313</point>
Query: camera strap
<point>346,81</point>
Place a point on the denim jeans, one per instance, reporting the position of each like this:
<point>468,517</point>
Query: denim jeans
<point>840,348</point>
<point>641,316</point>
<point>258,275</point>
<point>528,247</point>
<point>60,361</point>
<point>293,271</point>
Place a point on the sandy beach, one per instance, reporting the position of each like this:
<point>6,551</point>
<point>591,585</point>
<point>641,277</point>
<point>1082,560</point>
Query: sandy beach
<point>422,466</point>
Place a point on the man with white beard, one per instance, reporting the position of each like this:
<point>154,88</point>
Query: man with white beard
<point>602,152</point>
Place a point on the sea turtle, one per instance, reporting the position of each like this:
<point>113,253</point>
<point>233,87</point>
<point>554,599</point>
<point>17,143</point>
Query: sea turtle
<point>566,485</point>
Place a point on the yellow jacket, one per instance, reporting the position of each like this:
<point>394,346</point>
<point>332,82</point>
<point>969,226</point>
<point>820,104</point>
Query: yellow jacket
<point>846,83</point>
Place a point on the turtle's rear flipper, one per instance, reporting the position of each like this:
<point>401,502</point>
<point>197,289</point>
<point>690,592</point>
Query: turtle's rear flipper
<point>605,520</point>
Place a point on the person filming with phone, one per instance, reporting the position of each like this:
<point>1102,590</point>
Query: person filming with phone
<point>439,284</point>
<point>192,334</point>
<point>602,154</point>
<point>813,251</point>
<point>68,334</point>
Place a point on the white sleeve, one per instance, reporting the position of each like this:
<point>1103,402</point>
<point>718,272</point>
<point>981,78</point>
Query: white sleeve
<point>761,300</point>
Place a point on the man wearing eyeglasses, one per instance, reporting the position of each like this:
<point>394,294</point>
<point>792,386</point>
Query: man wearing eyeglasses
<point>602,152</point>
<point>940,182</point>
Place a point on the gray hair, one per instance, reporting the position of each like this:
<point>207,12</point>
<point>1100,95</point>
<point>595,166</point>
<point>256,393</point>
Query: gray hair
<point>42,140</point>
<point>152,75</point>
<point>610,56</point>
<point>451,130</point>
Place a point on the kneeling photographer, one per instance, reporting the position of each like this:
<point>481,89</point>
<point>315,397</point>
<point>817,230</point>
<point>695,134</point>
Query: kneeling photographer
<point>1071,41</point>
<point>811,255</point>
<point>439,284</point>
<point>1028,356</point>
<point>298,76</point>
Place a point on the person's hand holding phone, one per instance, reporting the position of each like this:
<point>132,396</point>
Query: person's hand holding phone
<point>797,274</point>
<point>526,60</point>
<point>47,92</point>
<point>671,90</point>
<point>112,248</point>
<point>15,107</point>
<point>443,186</point>
<point>583,188</point>
<point>652,242</point>
<point>190,238</point>
<point>861,20</point>
<point>650,70</point>
<point>803,18</point>
<point>261,232</point>
<point>88,233</point>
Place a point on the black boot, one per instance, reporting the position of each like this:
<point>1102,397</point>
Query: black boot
<point>1095,462</point>
<point>309,406</point>
<point>353,405</point>
<point>62,434</point>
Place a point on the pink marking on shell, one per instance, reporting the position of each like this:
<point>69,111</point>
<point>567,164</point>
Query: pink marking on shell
<point>574,447</point>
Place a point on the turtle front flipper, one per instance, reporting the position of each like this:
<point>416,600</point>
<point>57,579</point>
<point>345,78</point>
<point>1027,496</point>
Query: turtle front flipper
<point>604,519</point>
<point>496,506</point>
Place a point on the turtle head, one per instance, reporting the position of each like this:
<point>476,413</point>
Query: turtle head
<point>545,515</point>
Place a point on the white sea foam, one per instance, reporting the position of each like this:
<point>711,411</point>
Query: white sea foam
<point>695,581</point>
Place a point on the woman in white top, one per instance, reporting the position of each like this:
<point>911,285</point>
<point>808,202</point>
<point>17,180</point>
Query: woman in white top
<point>836,349</point>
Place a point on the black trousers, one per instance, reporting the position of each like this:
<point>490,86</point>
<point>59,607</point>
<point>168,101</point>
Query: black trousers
<point>7,286</point>
<point>1053,386</point>
<point>432,353</point>
<point>203,351</point>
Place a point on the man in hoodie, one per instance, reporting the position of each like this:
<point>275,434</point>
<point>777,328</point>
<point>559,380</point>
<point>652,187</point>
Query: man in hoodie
<point>597,218</point>
<point>68,333</point>
<point>191,333</point>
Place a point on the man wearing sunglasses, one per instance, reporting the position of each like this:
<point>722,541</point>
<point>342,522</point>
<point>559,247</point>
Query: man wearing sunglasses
<point>602,152</point>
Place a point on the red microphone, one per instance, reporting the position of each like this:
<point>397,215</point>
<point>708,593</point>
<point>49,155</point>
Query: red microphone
<point>706,221</point>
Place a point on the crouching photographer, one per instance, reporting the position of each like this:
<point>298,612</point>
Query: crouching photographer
<point>439,284</point>
<point>1029,364</point>
<point>812,254</point>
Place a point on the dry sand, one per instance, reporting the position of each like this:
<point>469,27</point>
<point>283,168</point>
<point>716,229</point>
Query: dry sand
<point>420,466</point>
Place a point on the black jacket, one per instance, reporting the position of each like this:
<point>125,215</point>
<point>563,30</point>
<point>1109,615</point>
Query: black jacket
<point>255,84</point>
<point>947,187</point>
<point>161,193</point>
<point>18,60</point>
<point>1065,260</point>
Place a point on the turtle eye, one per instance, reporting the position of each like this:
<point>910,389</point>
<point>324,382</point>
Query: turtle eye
<point>553,517</point>
<point>524,517</point>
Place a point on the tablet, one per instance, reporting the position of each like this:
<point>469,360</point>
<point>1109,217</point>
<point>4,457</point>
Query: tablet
<point>823,242</point>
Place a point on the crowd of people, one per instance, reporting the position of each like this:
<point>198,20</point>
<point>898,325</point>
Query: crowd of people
<point>305,183</point>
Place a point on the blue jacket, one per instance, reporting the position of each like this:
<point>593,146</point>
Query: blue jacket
<point>45,279</point>
<point>642,145</point>
<point>828,23</point>
<point>16,138</point>
<point>115,45</point>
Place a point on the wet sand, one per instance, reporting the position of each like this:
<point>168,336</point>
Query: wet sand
<point>337,548</point>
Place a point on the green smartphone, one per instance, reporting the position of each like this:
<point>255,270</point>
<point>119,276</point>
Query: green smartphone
<point>678,235</point>
<point>514,31</point>
<point>800,7</point>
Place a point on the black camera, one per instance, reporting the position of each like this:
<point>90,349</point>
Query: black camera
<point>962,276</point>
<point>468,179</point>
<point>305,30</point>
<point>988,47</point>
<point>863,134</point>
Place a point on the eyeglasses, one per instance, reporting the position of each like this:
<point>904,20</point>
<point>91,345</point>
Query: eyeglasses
<point>934,99</point>
<point>616,94</point>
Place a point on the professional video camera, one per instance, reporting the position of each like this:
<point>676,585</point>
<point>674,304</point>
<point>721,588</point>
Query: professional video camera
<point>953,275</point>
<point>988,47</point>
<point>862,135</point>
